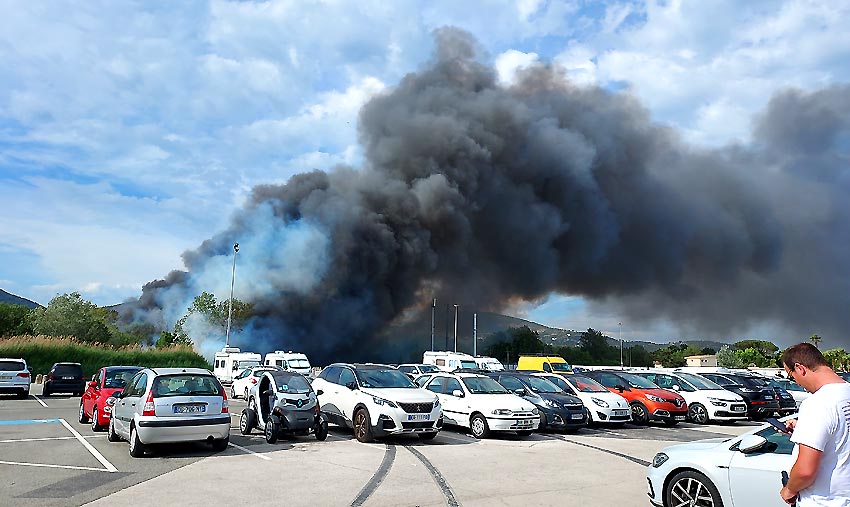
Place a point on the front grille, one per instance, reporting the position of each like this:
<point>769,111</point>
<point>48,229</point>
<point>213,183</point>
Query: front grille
<point>417,408</point>
<point>524,414</point>
<point>573,407</point>
<point>419,425</point>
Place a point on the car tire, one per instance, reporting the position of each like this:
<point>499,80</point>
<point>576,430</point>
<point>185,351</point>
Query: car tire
<point>83,418</point>
<point>543,422</point>
<point>271,431</point>
<point>45,391</point>
<point>697,413</point>
<point>688,485</point>
<point>232,393</point>
<point>640,414</point>
<point>428,436</point>
<point>247,421</point>
<point>110,433</point>
<point>479,427</point>
<point>322,431</point>
<point>525,433</point>
<point>137,448</point>
<point>220,444</point>
<point>362,426</point>
<point>95,427</point>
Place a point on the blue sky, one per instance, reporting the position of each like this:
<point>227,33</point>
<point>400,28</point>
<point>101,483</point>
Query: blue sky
<point>129,132</point>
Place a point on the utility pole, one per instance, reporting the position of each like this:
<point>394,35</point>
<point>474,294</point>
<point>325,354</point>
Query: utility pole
<point>620,324</point>
<point>456,307</point>
<point>474,334</point>
<point>433,309</point>
<point>447,328</point>
<point>230,303</point>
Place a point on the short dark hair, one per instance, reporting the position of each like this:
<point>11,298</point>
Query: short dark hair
<point>803,353</point>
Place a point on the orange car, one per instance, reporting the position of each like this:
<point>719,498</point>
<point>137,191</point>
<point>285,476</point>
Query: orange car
<point>647,401</point>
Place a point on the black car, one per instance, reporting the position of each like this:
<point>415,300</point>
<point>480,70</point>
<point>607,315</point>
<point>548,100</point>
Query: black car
<point>65,378</point>
<point>558,410</point>
<point>762,401</point>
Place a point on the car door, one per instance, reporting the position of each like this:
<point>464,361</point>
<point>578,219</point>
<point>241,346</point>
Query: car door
<point>90,395</point>
<point>436,386</point>
<point>347,398</point>
<point>755,479</point>
<point>328,383</point>
<point>459,406</point>
<point>127,405</point>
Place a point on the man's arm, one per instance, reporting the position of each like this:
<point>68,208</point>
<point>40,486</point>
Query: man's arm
<point>804,472</point>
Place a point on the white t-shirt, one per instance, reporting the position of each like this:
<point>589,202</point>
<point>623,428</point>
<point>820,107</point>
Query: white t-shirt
<point>824,424</point>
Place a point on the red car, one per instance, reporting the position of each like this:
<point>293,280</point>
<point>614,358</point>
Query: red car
<point>93,405</point>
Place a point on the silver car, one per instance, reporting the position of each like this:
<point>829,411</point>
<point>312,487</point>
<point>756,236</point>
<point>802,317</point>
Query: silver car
<point>163,405</point>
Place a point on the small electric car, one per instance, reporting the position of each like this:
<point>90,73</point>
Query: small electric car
<point>283,403</point>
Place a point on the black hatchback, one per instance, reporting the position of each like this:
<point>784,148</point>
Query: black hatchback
<point>760,398</point>
<point>64,378</point>
<point>558,410</point>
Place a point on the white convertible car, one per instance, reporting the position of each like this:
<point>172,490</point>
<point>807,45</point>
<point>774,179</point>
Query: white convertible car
<point>741,471</point>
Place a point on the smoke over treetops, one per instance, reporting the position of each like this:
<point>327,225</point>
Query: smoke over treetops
<point>482,194</point>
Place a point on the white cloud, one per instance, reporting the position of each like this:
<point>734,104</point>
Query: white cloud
<point>512,61</point>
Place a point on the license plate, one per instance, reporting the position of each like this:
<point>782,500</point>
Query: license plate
<point>67,378</point>
<point>679,418</point>
<point>577,416</point>
<point>190,409</point>
<point>621,412</point>
<point>525,422</point>
<point>6,377</point>
<point>738,409</point>
<point>419,417</point>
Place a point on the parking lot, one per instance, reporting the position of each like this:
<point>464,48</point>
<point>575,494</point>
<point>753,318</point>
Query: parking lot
<point>48,458</point>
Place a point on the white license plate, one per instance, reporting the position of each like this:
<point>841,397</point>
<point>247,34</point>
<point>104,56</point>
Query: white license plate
<point>67,378</point>
<point>768,397</point>
<point>419,417</point>
<point>738,409</point>
<point>679,418</point>
<point>5,377</point>
<point>525,422</point>
<point>190,409</point>
<point>621,412</point>
<point>577,416</point>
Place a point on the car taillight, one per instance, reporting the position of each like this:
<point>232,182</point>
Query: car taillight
<point>224,409</point>
<point>24,374</point>
<point>50,377</point>
<point>149,408</point>
<point>253,381</point>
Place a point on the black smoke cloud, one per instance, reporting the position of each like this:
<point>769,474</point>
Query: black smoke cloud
<point>485,194</point>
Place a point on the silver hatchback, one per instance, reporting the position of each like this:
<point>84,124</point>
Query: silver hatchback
<point>164,405</point>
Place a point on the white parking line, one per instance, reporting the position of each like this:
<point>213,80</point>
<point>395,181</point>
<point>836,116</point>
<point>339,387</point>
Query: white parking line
<point>52,466</point>
<point>45,438</point>
<point>43,404</point>
<point>249,451</point>
<point>109,466</point>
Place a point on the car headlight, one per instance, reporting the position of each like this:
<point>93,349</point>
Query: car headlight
<point>659,459</point>
<point>601,403</point>
<point>717,402</point>
<point>552,404</point>
<point>656,399</point>
<point>111,400</point>
<point>502,411</point>
<point>535,411</point>
<point>381,401</point>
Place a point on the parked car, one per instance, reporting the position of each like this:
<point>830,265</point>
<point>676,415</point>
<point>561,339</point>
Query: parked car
<point>377,400</point>
<point>15,377</point>
<point>744,470</point>
<point>248,378</point>
<point>706,400</point>
<point>550,364</point>
<point>787,403</point>
<point>794,389</point>
<point>558,410</point>
<point>164,405</point>
<point>94,403</point>
<point>283,403</point>
<point>489,363</point>
<point>289,361</point>
<point>647,401</point>
<point>64,378</point>
<point>602,405</point>
<point>413,370</point>
<point>760,398</point>
<point>481,404</point>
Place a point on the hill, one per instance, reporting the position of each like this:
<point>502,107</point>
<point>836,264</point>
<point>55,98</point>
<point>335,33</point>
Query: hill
<point>12,299</point>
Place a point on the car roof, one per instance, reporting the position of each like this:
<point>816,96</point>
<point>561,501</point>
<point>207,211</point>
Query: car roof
<point>66,364</point>
<point>175,371</point>
<point>12,359</point>
<point>122,367</point>
<point>365,366</point>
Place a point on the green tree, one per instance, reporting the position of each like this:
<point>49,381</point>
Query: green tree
<point>838,359</point>
<point>815,339</point>
<point>727,358</point>
<point>509,344</point>
<point>638,356</point>
<point>71,315</point>
<point>765,348</point>
<point>215,314</point>
<point>15,320</point>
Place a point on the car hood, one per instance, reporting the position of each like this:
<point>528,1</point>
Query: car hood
<point>661,393</point>
<point>699,445</point>
<point>614,400</point>
<point>488,402</point>
<point>561,398</point>
<point>401,394</point>
<point>723,394</point>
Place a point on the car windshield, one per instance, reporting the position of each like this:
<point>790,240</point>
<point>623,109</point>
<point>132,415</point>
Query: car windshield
<point>11,366</point>
<point>636,381</point>
<point>383,378</point>
<point>562,367</point>
<point>699,382</point>
<point>541,385</point>
<point>185,385</point>
<point>293,384</point>
<point>259,373</point>
<point>427,368</point>
<point>299,363</point>
<point>752,382</point>
<point>468,364</point>
<point>117,378</point>
<point>585,384</point>
<point>483,385</point>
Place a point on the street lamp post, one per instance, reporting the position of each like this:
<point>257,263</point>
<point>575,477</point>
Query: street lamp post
<point>230,303</point>
<point>433,309</point>
<point>474,334</point>
<point>620,325</point>
<point>456,307</point>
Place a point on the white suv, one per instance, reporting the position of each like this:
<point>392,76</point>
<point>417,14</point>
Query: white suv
<point>377,400</point>
<point>15,377</point>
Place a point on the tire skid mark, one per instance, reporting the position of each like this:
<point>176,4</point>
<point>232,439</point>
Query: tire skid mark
<point>377,478</point>
<point>451,500</point>
<point>641,462</point>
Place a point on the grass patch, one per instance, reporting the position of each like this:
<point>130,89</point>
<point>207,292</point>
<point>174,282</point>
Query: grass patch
<point>40,352</point>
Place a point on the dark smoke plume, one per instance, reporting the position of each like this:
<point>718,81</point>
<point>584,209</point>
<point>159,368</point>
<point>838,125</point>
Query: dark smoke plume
<point>478,193</point>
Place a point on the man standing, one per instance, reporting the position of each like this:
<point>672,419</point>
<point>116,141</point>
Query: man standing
<point>821,474</point>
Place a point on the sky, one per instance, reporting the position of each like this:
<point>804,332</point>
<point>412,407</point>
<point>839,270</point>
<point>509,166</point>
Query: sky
<point>130,132</point>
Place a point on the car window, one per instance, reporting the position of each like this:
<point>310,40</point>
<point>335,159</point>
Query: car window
<point>422,380</point>
<point>12,365</point>
<point>699,382</point>
<point>542,385</point>
<point>139,386</point>
<point>483,385</point>
<point>407,369</point>
<point>777,443</point>
<point>331,374</point>
<point>562,368</point>
<point>259,373</point>
<point>117,379</point>
<point>452,385</point>
<point>383,378</point>
<point>719,379</point>
<point>609,380</point>
<point>510,382</point>
<point>185,385</point>
<point>68,370</point>
<point>437,384</point>
<point>346,377</point>
<point>585,384</point>
<point>427,368</point>
<point>291,384</point>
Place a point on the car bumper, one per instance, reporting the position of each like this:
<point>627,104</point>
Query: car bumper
<point>669,415</point>
<point>613,415</point>
<point>165,430</point>
<point>655,486</point>
<point>513,423</point>
<point>14,388</point>
<point>563,419</point>
<point>397,421</point>
<point>64,387</point>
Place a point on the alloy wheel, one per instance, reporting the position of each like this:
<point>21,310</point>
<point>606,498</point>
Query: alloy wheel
<point>477,426</point>
<point>698,414</point>
<point>360,425</point>
<point>690,492</point>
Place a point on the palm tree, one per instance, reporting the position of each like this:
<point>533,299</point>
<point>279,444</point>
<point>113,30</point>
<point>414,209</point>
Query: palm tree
<point>815,339</point>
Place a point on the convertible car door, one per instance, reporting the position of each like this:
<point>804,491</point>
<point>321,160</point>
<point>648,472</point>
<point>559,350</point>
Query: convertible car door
<point>755,479</point>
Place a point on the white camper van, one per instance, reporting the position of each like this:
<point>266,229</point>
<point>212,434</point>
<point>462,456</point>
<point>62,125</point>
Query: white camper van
<point>292,361</point>
<point>449,361</point>
<point>489,363</point>
<point>230,361</point>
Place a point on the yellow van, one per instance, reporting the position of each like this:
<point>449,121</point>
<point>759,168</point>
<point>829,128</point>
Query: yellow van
<point>552,364</point>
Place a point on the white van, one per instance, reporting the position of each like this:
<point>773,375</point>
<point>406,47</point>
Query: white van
<point>229,361</point>
<point>291,361</point>
<point>449,361</point>
<point>489,363</point>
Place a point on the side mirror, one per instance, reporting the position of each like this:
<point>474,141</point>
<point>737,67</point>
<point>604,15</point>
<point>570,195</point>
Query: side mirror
<point>619,388</point>
<point>93,385</point>
<point>457,393</point>
<point>751,443</point>
<point>319,392</point>
<point>116,394</point>
<point>520,392</point>
<point>351,385</point>
<point>677,387</point>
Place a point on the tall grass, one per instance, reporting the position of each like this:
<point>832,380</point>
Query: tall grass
<point>40,352</point>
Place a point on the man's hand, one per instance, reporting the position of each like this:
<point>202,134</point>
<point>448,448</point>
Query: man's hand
<point>788,496</point>
<point>790,424</point>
